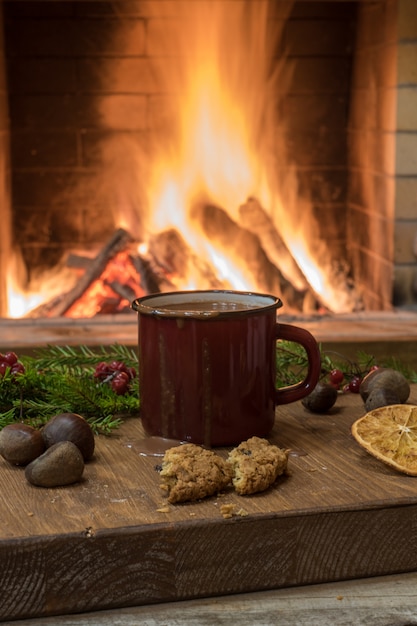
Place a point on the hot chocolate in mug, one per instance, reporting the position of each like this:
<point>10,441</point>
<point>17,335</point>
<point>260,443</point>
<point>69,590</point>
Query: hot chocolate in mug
<point>207,365</point>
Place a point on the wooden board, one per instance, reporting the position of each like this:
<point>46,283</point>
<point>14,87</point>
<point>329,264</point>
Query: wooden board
<point>106,543</point>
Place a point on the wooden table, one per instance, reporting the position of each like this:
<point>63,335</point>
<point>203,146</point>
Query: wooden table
<point>111,541</point>
<point>366,602</point>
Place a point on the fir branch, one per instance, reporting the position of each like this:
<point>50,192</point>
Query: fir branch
<point>57,357</point>
<point>292,364</point>
<point>403,368</point>
<point>105,425</point>
<point>7,418</point>
<point>61,379</point>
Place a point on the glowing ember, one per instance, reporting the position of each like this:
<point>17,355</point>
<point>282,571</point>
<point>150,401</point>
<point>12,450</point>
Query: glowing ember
<point>99,297</point>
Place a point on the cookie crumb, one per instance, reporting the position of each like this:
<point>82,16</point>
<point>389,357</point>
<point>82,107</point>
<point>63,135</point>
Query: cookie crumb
<point>163,509</point>
<point>227,510</point>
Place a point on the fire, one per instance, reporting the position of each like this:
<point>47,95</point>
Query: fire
<point>20,302</point>
<point>223,155</point>
<point>215,158</point>
<point>99,297</point>
<point>24,296</point>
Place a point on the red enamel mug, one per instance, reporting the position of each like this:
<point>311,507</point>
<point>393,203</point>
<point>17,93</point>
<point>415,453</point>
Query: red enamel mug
<point>207,365</point>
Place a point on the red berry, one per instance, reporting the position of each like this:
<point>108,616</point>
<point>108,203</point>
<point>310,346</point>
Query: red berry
<point>336,376</point>
<point>10,358</point>
<point>18,368</point>
<point>354,384</point>
<point>117,366</point>
<point>102,370</point>
<point>3,367</point>
<point>120,383</point>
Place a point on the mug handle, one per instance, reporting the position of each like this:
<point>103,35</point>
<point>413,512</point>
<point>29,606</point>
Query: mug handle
<point>295,392</point>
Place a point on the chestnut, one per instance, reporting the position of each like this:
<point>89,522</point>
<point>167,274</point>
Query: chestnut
<point>20,443</point>
<point>321,399</point>
<point>62,464</point>
<point>70,427</point>
<point>390,381</point>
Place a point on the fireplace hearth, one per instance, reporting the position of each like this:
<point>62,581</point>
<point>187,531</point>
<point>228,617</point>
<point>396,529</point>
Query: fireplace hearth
<point>84,85</point>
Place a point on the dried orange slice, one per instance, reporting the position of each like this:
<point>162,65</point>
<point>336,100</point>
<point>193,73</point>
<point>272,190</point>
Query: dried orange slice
<point>389,433</point>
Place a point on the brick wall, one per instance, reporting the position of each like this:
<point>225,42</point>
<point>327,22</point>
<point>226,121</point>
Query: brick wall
<point>4,178</point>
<point>54,54</point>
<point>405,228</point>
<point>383,148</point>
<point>318,40</point>
<point>371,137</point>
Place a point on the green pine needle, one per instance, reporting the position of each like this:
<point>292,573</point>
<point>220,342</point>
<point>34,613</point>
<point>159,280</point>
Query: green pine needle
<point>60,379</point>
<point>292,364</point>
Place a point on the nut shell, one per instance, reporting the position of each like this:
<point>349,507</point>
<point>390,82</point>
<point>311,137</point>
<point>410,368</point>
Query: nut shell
<point>380,397</point>
<point>321,399</point>
<point>70,427</point>
<point>20,443</point>
<point>62,464</point>
<point>392,382</point>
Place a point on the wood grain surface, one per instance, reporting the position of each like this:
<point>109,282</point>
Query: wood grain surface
<point>112,540</point>
<point>381,601</point>
<point>18,334</point>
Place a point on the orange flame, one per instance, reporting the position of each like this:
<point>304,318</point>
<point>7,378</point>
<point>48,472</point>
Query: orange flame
<point>222,150</point>
<point>223,146</point>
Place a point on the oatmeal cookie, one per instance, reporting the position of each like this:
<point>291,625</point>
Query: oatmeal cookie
<point>190,472</point>
<point>256,465</point>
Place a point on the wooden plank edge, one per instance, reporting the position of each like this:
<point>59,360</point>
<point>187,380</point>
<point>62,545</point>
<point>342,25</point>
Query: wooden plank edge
<point>105,330</point>
<point>46,576</point>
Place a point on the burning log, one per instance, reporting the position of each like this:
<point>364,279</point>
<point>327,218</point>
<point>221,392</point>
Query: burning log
<point>94,268</point>
<point>123,291</point>
<point>118,242</point>
<point>170,252</point>
<point>175,258</point>
<point>149,281</point>
<point>78,261</point>
<point>254,218</point>
<point>119,273</point>
<point>246,247</point>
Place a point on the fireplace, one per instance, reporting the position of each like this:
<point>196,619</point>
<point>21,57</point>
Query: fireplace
<point>87,86</point>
